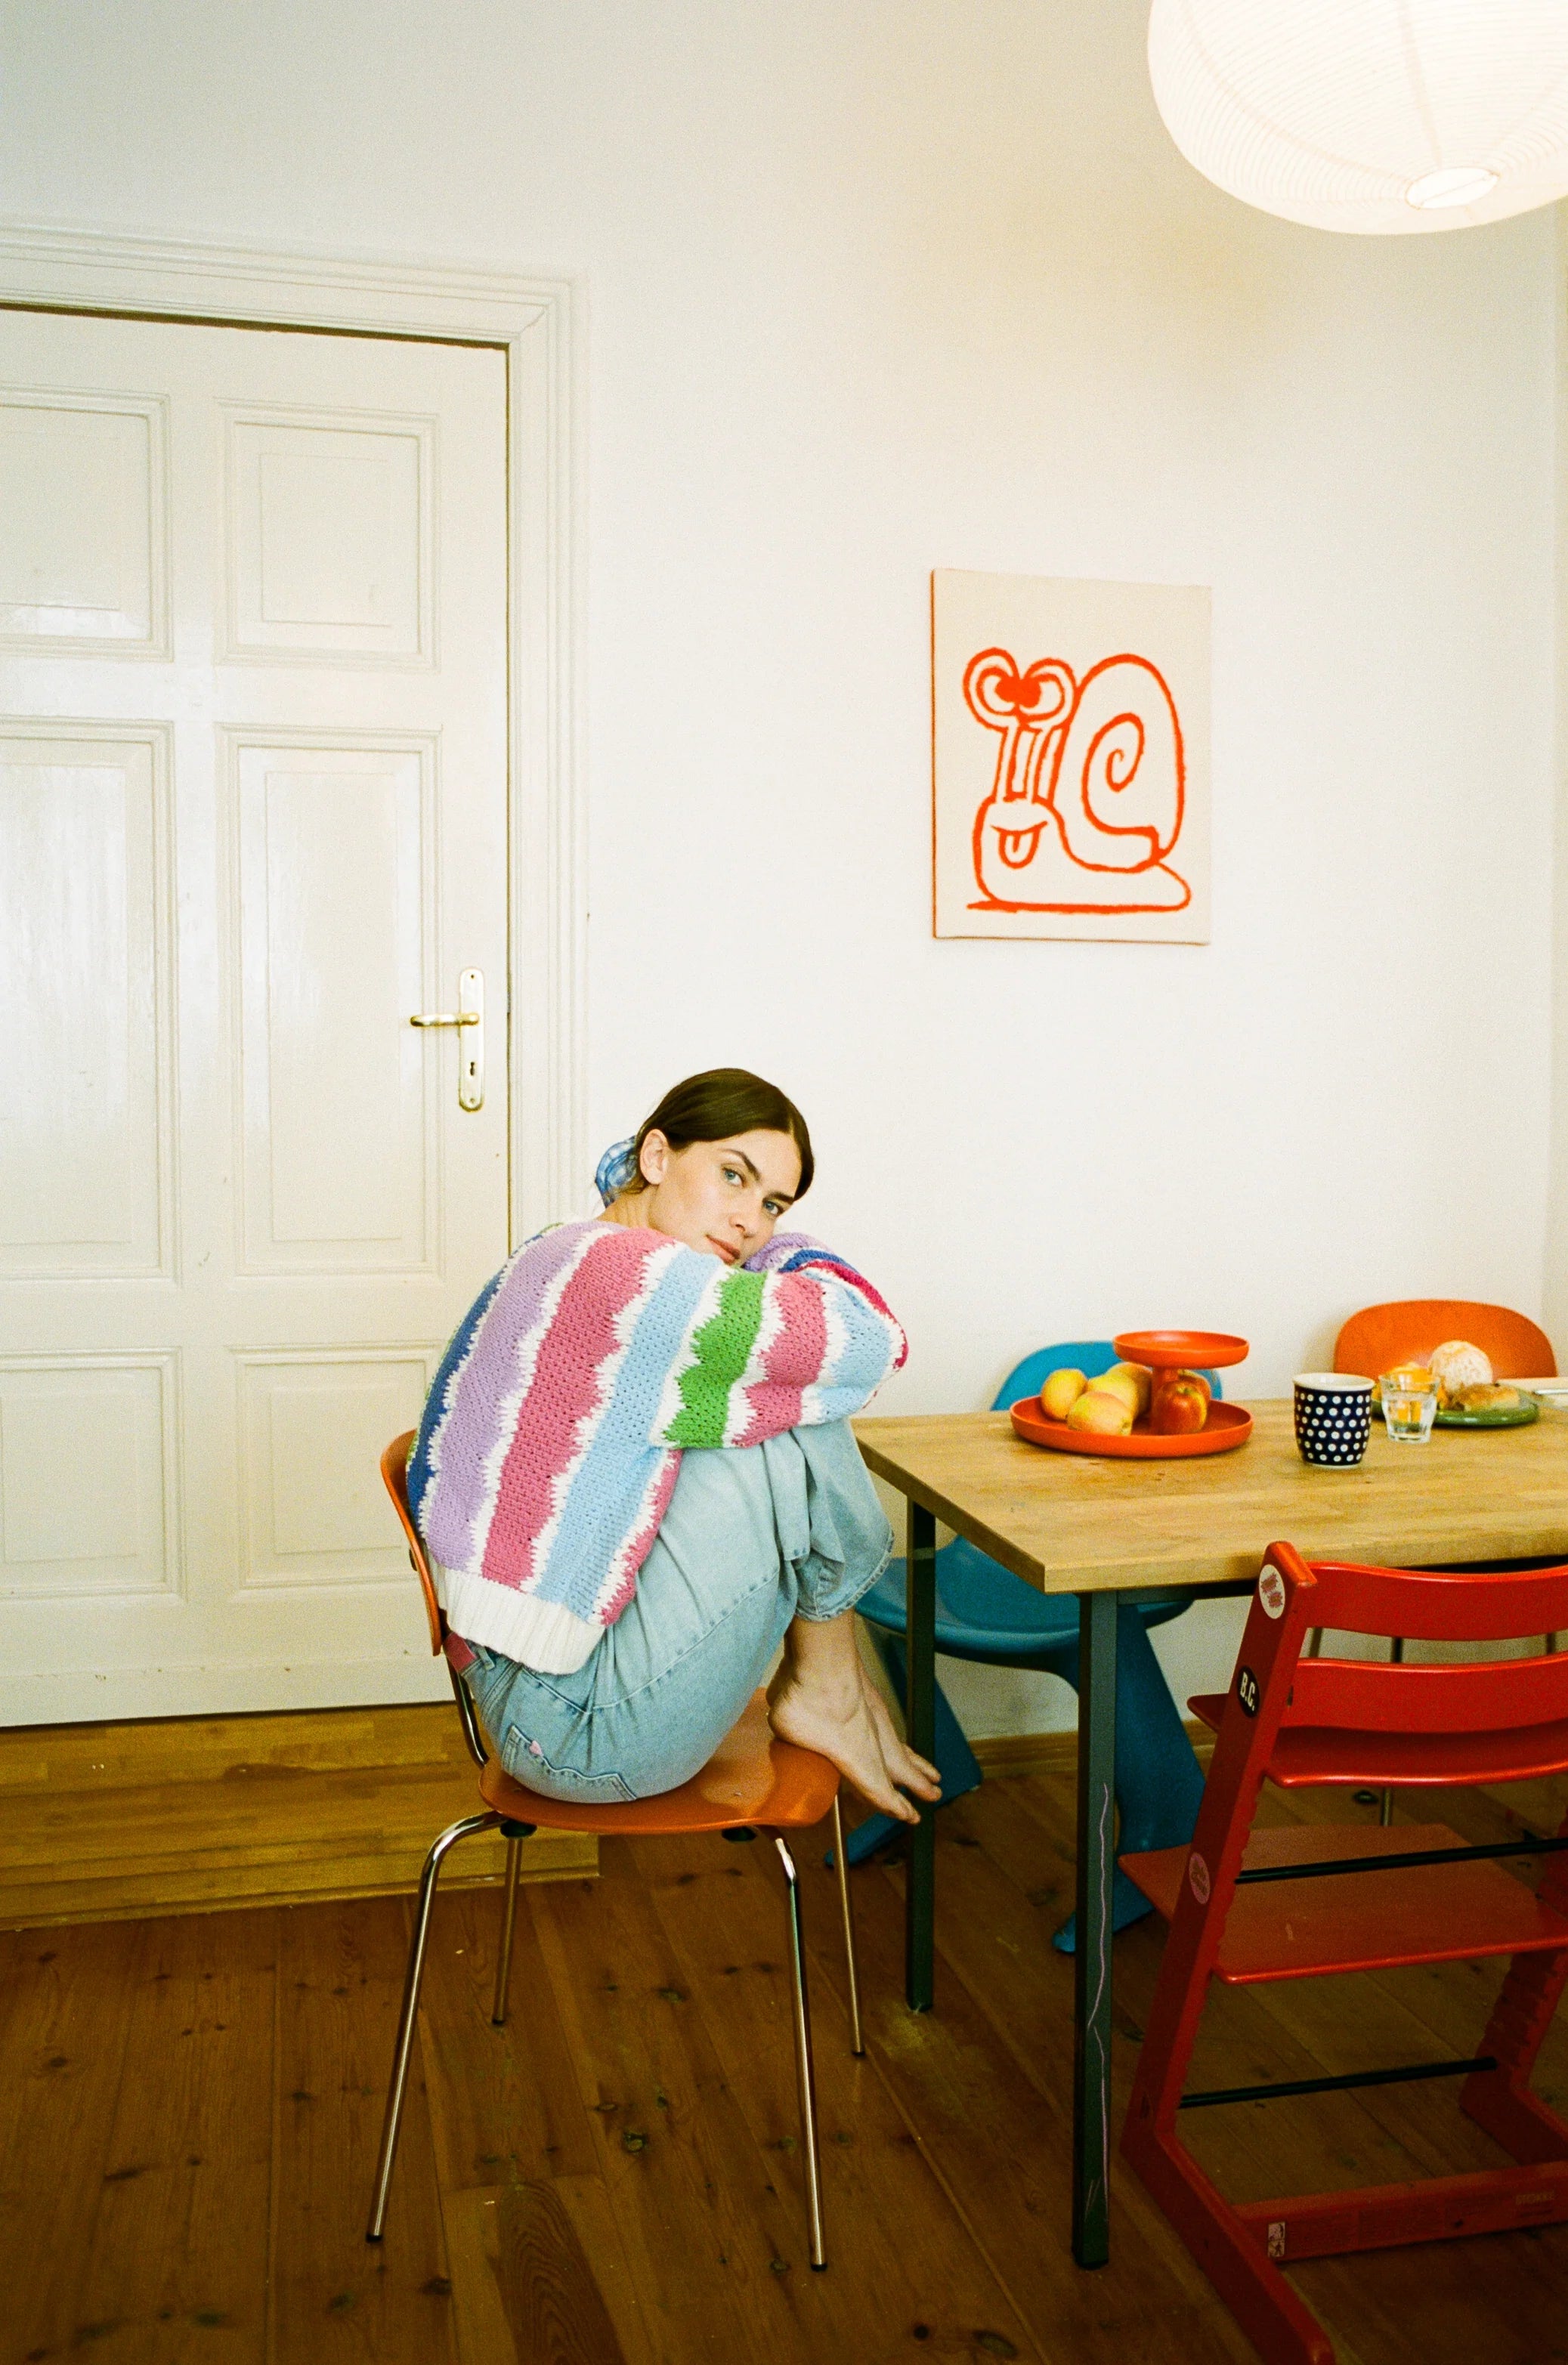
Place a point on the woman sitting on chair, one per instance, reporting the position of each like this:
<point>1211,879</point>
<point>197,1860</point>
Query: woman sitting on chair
<point>635,1473</point>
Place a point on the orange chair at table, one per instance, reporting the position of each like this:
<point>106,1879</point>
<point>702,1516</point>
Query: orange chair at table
<point>752,1782</point>
<point>1406,1329</point>
<point>1304,1901</point>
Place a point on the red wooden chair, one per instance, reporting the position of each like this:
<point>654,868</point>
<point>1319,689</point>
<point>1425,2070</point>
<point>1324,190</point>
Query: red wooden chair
<point>1305,1901</point>
<point>752,1782</point>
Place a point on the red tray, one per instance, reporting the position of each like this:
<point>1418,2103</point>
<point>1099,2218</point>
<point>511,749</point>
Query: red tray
<point>1227,1426</point>
<point>1188,1350</point>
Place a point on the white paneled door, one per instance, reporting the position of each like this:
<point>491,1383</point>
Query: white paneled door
<point>252,819</point>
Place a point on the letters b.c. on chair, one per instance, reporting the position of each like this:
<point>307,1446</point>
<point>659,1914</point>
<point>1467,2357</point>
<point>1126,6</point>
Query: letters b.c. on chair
<point>752,1782</point>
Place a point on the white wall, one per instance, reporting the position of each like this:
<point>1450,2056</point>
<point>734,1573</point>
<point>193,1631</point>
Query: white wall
<point>1555,1291</point>
<point>875,285</point>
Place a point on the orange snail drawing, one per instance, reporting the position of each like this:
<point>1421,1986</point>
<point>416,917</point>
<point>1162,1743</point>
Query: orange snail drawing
<point>1089,788</point>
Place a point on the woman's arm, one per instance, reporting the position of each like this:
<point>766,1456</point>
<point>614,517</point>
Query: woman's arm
<point>802,1341</point>
<point>552,1435</point>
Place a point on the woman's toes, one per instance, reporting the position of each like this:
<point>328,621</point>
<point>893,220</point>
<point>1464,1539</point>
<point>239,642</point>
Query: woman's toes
<point>906,1766</point>
<point>872,1780</point>
<point>852,1743</point>
<point>904,1763</point>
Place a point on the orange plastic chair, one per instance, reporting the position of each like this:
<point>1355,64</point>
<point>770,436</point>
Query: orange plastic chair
<point>1406,1329</point>
<point>752,1781</point>
<point>1307,1900</point>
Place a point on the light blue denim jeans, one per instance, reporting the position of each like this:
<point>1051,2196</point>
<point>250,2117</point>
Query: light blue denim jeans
<point>754,1537</point>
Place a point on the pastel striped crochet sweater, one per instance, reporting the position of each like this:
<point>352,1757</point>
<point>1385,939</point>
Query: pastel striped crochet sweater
<point>552,1436</point>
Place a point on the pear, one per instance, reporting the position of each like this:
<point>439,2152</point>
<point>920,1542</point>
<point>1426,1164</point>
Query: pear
<point>1061,1392</point>
<point>1131,1382</point>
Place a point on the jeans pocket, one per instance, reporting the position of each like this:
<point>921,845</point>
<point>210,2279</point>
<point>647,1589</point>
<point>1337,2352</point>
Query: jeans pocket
<point>480,1676</point>
<point>526,1763</point>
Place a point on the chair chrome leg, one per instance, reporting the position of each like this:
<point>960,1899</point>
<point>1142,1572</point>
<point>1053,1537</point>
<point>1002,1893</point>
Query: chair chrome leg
<point>449,1839</point>
<point>804,2067</point>
<point>846,1907</point>
<point>508,1921</point>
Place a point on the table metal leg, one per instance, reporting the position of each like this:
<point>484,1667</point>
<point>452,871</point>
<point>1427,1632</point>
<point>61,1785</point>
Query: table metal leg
<point>920,1706</point>
<point>1098,1614</point>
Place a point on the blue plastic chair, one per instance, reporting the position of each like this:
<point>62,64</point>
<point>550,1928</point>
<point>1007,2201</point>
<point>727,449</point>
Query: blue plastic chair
<point>985,1613</point>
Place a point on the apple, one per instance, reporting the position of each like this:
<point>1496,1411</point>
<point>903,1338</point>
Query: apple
<point>1131,1382</point>
<point>1101,1413</point>
<point>1180,1404</point>
<point>1061,1392</point>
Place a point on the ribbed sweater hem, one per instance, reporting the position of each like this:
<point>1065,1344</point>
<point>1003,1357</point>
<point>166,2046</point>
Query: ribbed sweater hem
<point>542,1635</point>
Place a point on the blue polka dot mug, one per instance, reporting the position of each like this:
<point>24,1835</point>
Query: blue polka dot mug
<point>1333,1418</point>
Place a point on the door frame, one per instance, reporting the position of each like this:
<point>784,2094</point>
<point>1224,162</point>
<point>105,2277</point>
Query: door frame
<point>532,322</point>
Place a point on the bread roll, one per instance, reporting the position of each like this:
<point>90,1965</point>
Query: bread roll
<point>1457,1364</point>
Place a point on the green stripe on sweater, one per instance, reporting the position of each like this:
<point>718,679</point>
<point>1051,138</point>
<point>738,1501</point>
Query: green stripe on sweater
<point>723,1346</point>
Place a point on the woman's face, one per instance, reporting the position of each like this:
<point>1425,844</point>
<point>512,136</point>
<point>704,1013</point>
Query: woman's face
<point>723,1197</point>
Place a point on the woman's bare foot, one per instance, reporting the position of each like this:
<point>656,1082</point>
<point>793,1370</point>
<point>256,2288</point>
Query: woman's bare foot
<point>904,1764</point>
<point>836,1722</point>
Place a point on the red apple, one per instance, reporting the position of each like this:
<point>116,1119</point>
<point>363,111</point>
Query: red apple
<point>1180,1404</point>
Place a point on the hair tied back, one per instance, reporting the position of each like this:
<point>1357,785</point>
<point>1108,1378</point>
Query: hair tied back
<point>615,1170</point>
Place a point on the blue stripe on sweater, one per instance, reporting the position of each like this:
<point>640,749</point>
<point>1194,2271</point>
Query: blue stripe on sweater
<point>862,1363</point>
<point>610,1483</point>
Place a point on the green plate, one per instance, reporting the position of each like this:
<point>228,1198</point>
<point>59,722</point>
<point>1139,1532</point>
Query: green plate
<point>1494,1416</point>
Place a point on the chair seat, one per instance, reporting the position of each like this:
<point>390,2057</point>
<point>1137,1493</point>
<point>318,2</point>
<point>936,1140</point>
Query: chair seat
<point>1360,1920</point>
<point>752,1777</point>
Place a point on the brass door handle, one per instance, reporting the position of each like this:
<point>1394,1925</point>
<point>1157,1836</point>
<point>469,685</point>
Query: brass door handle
<point>470,1012</point>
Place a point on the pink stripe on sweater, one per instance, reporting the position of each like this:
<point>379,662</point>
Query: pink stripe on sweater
<point>774,1402</point>
<point>566,1391</point>
<point>873,1298</point>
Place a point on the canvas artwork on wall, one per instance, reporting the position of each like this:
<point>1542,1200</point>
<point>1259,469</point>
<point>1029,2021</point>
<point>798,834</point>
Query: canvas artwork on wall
<point>1069,759</point>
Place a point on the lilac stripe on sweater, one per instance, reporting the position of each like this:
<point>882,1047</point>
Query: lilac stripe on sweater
<point>482,1383</point>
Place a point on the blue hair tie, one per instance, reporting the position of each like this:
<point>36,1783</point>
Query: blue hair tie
<point>616,1169</point>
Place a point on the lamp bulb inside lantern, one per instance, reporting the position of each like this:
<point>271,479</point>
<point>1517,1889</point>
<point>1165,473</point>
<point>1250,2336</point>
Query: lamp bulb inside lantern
<point>1457,184</point>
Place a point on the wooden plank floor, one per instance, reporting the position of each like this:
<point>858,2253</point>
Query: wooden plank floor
<point>195,1814</point>
<point>189,2111</point>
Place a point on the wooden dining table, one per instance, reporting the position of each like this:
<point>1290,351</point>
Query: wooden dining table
<point>1112,1531</point>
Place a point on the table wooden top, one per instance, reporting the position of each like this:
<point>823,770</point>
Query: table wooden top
<point>1067,1522</point>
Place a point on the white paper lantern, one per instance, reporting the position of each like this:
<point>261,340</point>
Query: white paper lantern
<point>1388,116</point>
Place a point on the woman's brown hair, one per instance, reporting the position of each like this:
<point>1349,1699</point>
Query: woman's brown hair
<point>714,1105</point>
